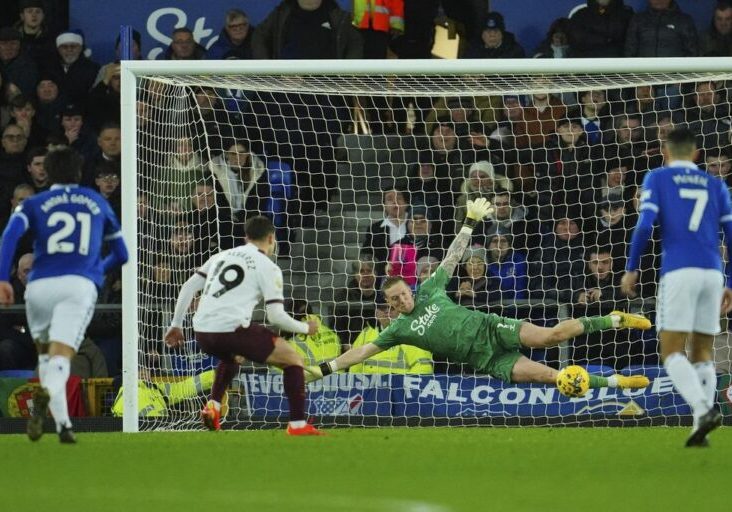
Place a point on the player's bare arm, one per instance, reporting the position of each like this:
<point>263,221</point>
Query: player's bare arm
<point>476,211</point>
<point>342,362</point>
<point>174,337</point>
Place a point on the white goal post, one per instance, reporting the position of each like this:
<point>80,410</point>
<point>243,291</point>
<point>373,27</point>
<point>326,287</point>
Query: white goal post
<point>174,83</point>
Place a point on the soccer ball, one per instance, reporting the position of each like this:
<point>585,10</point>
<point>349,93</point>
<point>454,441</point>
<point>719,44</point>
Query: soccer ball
<point>573,381</point>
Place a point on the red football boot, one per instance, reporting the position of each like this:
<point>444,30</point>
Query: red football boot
<point>307,430</point>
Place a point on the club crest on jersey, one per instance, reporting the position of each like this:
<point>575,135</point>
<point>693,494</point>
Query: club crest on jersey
<point>425,320</point>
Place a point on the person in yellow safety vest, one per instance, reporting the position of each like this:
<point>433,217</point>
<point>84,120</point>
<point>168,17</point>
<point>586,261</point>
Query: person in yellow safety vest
<point>322,346</point>
<point>377,21</point>
<point>154,398</point>
<point>402,359</point>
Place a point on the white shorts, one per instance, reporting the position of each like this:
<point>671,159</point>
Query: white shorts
<point>60,308</point>
<point>690,300</point>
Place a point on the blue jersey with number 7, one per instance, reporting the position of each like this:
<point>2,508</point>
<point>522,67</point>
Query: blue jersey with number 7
<point>689,206</point>
<point>69,224</point>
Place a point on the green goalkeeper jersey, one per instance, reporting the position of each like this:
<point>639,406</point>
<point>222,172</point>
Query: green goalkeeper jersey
<point>439,325</point>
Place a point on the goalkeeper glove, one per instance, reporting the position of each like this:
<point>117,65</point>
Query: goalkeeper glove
<point>479,209</point>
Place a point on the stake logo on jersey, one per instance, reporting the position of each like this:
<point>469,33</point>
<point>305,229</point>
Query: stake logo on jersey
<point>69,224</point>
<point>236,280</point>
<point>425,320</point>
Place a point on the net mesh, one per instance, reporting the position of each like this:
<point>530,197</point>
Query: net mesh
<point>349,166</point>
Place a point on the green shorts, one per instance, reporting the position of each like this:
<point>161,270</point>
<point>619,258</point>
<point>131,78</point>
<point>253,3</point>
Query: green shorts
<point>505,340</point>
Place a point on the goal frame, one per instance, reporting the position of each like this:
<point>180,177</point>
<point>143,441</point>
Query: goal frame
<point>132,71</point>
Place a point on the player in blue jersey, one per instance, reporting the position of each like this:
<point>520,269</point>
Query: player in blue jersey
<point>69,225</point>
<point>689,206</point>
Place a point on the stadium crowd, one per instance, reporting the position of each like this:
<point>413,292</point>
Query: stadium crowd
<point>562,169</point>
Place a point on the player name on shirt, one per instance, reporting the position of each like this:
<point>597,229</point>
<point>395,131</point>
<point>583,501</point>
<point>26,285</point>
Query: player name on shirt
<point>65,198</point>
<point>690,179</point>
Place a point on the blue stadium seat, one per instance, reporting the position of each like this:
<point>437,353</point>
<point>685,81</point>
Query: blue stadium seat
<point>650,371</point>
<point>17,374</point>
<point>600,369</point>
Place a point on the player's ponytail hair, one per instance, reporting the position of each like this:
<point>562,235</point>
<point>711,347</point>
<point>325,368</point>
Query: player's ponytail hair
<point>63,165</point>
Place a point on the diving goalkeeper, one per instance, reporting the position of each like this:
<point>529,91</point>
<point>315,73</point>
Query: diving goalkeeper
<point>490,343</point>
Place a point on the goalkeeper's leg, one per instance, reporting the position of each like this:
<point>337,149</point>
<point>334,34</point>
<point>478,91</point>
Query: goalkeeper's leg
<point>533,336</point>
<point>285,357</point>
<point>527,371</point>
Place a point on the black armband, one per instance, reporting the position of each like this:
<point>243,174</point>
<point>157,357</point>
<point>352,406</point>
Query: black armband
<point>325,368</point>
<point>470,223</point>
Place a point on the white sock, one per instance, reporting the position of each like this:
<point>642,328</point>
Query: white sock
<point>708,380</point>
<point>612,381</point>
<point>298,424</point>
<point>686,383</point>
<point>42,366</point>
<point>616,321</point>
<point>57,373</point>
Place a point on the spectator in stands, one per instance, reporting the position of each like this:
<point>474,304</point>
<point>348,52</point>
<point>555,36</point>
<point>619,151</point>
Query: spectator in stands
<point>105,328</point>
<point>511,130</point>
<point>599,30</point>
<point>421,240</point>
<point>561,258</point>
<point>645,103</point>
<point>509,218</point>
<point>473,282</point>
<point>107,181</point>
<point>136,55</point>
<point>599,284</point>
<point>183,167</point>
<point>611,183</point>
<point>540,118</point>
<point>388,231</point>
<point>482,181</point>
<point>18,194</point>
<point>507,270</point>
<point>108,150</point>
<point>183,46</point>
<point>717,163</point>
<point>426,265</point>
<point>17,351</point>
<point>631,146</point>
<point>23,112</point>
<point>242,177</point>
<point>50,104</point>
<point>460,112</point>
<point>717,41</point>
<point>556,45</point>
<point>73,72</point>
<point>495,42</point>
<point>355,304</point>
<point>706,114</point>
<point>235,39</point>
<point>77,134</point>
<point>36,38</point>
<point>377,22</point>
<point>662,30</point>
<point>211,223</point>
<point>12,158</point>
<point>564,168</point>
<point>594,113</point>
<point>103,105</point>
<point>436,181</point>
<point>37,176</point>
<point>612,226</point>
<point>17,68</point>
<point>307,29</point>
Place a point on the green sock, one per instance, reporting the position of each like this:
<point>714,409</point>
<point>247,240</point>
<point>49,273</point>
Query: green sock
<point>596,323</point>
<point>597,382</point>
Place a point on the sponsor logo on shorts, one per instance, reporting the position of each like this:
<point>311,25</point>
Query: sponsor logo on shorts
<point>510,327</point>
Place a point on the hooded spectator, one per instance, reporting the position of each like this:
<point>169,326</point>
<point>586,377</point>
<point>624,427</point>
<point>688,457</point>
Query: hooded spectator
<point>556,45</point>
<point>16,67</point>
<point>717,41</point>
<point>495,42</point>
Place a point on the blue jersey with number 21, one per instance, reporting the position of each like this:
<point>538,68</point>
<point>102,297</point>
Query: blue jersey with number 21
<point>689,207</point>
<point>69,224</point>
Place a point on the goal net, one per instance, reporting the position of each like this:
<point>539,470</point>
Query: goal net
<point>366,173</point>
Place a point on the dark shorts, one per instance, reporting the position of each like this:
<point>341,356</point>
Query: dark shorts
<point>255,343</point>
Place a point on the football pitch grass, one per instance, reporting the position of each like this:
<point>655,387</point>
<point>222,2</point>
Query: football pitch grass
<point>370,470</point>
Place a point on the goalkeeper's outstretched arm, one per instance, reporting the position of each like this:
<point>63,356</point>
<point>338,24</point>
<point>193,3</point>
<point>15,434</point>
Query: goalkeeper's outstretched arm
<point>342,362</point>
<point>476,211</point>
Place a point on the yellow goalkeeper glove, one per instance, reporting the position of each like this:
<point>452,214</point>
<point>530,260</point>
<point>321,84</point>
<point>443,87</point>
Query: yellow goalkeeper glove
<point>312,373</point>
<point>479,209</point>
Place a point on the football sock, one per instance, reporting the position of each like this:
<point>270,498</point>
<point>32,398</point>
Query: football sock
<point>686,382</point>
<point>708,380</point>
<point>56,375</point>
<point>225,373</point>
<point>294,383</point>
<point>216,405</point>
<point>596,323</point>
<point>597,381</point>
<point>42,366</point>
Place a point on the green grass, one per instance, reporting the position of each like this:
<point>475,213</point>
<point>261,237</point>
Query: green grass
<point>354,470</point>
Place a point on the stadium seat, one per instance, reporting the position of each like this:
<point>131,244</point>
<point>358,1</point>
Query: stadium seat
<point>17,374</point>
<point>600,369</point>
<point>650,371</point>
